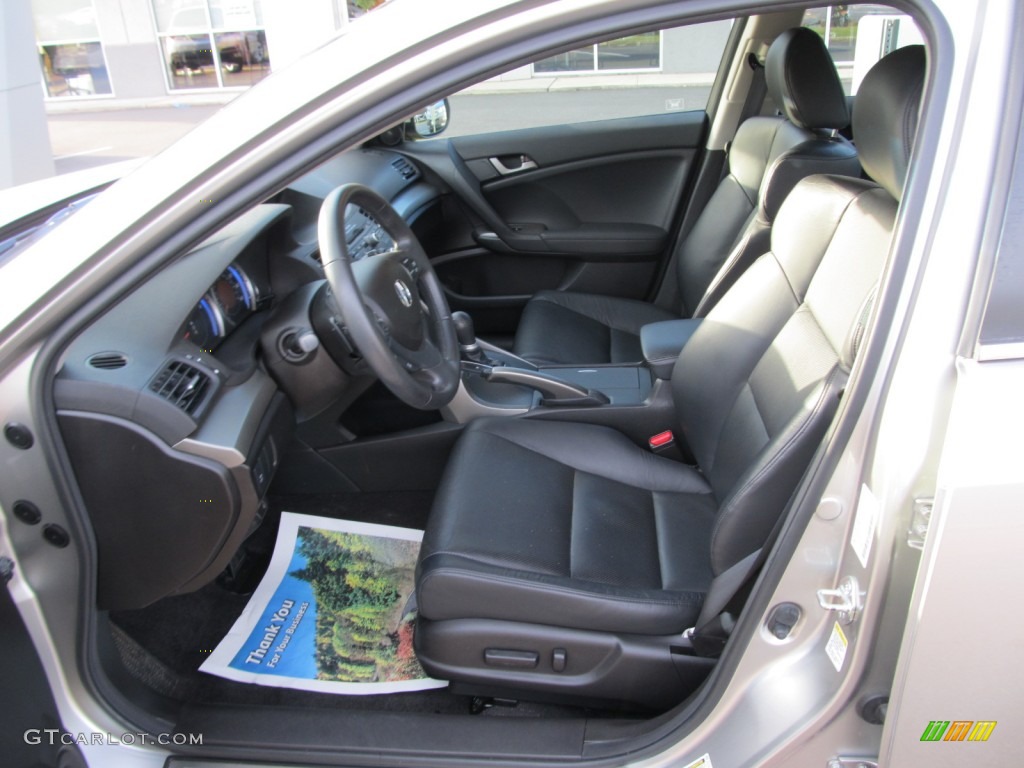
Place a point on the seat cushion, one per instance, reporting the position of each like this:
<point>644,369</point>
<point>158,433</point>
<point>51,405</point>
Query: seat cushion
<point>570,525</point>
<point>558,327</point>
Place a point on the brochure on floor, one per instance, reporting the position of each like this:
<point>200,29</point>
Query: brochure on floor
<point>335,612</point>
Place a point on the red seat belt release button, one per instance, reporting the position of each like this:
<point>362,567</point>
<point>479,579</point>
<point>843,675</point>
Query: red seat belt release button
<point>661,440</point>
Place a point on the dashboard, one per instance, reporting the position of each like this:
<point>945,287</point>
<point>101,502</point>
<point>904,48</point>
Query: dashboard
<point>177,405</point>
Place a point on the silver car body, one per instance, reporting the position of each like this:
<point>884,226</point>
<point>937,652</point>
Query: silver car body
<point>936,425</point>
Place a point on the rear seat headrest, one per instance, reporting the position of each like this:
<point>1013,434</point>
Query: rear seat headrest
<point>803,82</point>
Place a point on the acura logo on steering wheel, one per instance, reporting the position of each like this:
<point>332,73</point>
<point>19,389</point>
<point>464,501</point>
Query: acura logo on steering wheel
<point>404,294</point>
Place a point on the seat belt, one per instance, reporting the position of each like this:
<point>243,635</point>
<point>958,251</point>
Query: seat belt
<point>714,624</point>
<point>758,88</point>
<point>715,621</point>
<point>755,94</point>
<point>726,585</point>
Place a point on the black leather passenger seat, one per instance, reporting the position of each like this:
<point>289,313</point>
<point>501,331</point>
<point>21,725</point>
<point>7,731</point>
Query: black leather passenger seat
<point>561,558</point>
<point>769,155</point>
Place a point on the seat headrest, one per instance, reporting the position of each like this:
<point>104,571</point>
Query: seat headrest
<point>803,82</point>
<point>885,116</point>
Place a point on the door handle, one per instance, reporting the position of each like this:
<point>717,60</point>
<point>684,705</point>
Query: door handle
<point>507,164</point>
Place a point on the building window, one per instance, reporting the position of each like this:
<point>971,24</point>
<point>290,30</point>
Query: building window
<point>625,54</point>
<point>70,51</point>
<point>212,43</point>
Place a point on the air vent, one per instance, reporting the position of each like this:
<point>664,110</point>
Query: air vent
<point>315,256</point>
<point>405,169</point>
<point>181,384</point>
<point>108,361</point>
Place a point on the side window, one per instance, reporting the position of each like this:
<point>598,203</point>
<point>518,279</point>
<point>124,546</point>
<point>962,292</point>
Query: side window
<point>859,35</point>
<point>670,70</point>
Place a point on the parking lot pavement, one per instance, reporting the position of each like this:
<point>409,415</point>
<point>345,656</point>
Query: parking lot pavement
<point>87,139</point>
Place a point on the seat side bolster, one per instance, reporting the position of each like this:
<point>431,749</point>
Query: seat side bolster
<point>454,586</point>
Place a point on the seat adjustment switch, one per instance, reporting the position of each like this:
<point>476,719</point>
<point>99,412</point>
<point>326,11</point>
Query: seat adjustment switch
<point>500,657</point>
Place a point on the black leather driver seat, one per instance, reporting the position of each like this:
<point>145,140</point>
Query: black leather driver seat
<point>561,557</point>
<point>769,155</point>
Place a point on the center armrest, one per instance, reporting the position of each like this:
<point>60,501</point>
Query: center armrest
<point>662,342</point>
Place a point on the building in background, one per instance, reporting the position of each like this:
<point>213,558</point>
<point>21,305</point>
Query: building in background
<point>206,50</point>
<point>148,49</point>
<point>91,56</point>
<point>152,49</point>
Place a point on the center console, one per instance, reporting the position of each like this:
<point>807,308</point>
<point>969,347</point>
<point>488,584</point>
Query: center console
<point>555,386</point>
<point>633,398</point>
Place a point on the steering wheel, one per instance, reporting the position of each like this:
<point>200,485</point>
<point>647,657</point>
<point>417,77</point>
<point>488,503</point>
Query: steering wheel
<point>392,303</point>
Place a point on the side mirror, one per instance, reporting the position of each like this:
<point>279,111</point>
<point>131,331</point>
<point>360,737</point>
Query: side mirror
<point>430,121</point>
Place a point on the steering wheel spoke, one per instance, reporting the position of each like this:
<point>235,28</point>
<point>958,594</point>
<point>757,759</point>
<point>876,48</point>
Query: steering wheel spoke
<point>414,360</point>
<point>425,364</point>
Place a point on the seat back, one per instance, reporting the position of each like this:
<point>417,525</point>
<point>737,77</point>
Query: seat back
<point>767,157</point>
<point>757,385</point>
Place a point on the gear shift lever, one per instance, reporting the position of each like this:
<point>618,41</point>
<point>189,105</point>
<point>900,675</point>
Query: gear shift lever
<point>467,338</point>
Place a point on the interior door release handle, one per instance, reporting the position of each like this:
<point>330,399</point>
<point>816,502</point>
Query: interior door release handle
<point>507,164</point>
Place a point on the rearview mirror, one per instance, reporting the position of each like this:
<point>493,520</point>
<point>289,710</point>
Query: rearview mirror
<point>430,121</point>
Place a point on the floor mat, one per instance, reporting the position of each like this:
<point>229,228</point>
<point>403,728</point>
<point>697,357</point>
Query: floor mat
<point>335,612</point>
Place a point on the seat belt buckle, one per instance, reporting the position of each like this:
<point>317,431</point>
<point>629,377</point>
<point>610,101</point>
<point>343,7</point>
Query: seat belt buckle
<point>661,442</point>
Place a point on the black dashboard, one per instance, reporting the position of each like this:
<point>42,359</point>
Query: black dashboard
<point>182,382</point>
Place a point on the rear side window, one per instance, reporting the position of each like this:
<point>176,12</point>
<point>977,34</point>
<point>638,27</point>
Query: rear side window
<point>670,70</point>
<point>859,35</point>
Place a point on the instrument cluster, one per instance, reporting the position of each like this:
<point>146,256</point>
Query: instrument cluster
<point>230,300</point>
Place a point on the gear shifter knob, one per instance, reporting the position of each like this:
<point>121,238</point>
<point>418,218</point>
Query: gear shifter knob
<point>464,328</point>
<point>467,337</point>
